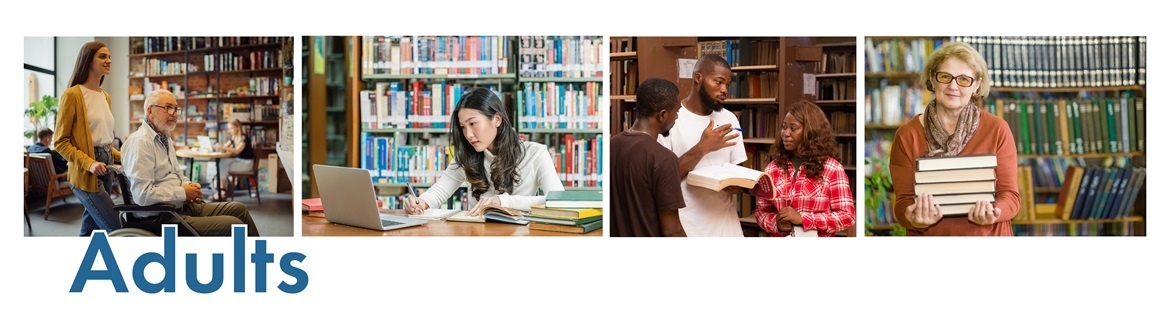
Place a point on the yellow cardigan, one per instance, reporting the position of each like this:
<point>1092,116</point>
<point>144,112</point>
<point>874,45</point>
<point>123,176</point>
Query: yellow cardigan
<point>74,142</point>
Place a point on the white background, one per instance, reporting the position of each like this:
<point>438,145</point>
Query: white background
<point>601,278</point>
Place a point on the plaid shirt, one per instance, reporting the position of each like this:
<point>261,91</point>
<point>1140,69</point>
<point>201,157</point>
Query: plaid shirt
<point>826,206</point>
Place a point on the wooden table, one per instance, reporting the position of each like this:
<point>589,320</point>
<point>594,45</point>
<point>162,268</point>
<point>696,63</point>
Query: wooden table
<point>318,226</point>
<point>192,155</point>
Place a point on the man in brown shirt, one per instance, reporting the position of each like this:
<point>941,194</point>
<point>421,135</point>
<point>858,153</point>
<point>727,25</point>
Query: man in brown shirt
<point>645,189</point>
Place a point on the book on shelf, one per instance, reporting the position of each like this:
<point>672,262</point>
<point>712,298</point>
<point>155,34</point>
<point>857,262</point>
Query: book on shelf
<point>1086,125</point>
<point>1061,61</point>
<point>552,105</point>
<point>578,229</point>
<point>718,177</point>
<point>893,104</point>
<point>1102,193</point>
<point>576,157</point>
<point>1065,201</point>
<point>574,199</point>
<point>955,188</point>
<point>399,158</point>
<point>560,56</point>
<point>435,55</point>
<point>415,104</point>
<point>899,55</point>
<point>494,213</point>
<point>956,162</point>
<point>955,175</point>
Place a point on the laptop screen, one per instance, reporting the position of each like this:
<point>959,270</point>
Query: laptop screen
<point>205,143</point>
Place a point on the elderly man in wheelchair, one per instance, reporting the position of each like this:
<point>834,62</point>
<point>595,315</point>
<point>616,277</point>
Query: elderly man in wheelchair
<point>150,166</point>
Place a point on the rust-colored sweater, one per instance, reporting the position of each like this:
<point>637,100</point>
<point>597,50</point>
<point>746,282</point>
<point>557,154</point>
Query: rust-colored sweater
<point>992,137</point>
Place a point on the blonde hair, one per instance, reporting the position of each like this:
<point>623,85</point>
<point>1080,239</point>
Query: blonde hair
<point>965,53</point>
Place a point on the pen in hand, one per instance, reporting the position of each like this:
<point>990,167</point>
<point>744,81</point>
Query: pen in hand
<point>412,200</point>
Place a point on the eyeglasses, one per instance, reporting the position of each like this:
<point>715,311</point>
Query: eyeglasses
<point>945,78</point>
<point>173,110</point>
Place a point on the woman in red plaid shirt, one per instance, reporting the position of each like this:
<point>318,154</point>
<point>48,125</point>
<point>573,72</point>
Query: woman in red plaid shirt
<point>815,197</point>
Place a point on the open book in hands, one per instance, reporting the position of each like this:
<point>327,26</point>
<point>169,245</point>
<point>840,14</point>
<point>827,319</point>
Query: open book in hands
<point>495,213</point>
<point>718,177</point>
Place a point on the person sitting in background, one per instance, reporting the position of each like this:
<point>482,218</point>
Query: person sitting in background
<point>153,171</point>
<point>44,138</point>
<point>240,146</point>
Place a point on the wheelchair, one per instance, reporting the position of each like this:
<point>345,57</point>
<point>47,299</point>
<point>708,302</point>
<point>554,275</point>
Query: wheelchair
<point>138,220</point>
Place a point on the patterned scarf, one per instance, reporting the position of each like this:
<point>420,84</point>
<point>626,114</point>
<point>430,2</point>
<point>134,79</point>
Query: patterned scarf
<point>938,142</point>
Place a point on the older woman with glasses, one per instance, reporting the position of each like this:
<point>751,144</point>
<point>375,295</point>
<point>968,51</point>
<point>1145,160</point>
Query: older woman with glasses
<point>953,125</point>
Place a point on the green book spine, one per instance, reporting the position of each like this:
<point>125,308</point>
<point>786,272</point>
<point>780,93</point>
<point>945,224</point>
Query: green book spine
<point>1139,110</point>
<point>1054,147</point>
<point>1075,126</point>
<point>1103,192</point>
<point>1091,124</point>
<point>1014,111</point>
<point>1102,126</point>
<point>1110,126</point>
<point>1043,129</point>
<point>1037,133</point>
<point>1026,112</point>
<point>592,226</point>
<point>1131,124</point>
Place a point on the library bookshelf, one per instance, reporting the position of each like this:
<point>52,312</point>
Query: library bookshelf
<point>215,80</point>
<point>401,91</point>
<point>768,75</point>
<point>1071,102</point>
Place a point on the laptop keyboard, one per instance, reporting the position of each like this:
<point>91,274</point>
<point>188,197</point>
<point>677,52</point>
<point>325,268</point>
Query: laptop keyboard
<point>390,223</point>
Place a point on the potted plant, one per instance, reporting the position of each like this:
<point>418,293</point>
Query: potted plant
<point>878,187</point>
<point>39,112</point>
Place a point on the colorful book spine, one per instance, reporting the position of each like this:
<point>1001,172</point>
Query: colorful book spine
<point>549,105</point>
<point>455,56</point>
<point>576,158</point>
<point>561,56</point>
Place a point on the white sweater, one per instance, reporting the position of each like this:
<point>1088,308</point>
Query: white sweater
<point>536,172</point>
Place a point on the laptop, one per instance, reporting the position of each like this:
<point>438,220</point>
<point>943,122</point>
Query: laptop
<point>205,144</point>
<point>347,197</point>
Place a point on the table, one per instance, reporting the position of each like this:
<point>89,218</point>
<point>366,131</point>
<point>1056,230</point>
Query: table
<point>318,226</point>
<point>192,155</point>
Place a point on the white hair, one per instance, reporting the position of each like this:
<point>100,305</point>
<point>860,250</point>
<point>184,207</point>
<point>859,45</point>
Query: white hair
<point>153,99</point>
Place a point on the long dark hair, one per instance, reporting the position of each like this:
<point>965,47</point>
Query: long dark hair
<point>506,145</point>
<point>85,63</point>
<point>817,146</point>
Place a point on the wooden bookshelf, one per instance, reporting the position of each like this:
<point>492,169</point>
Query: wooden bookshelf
<point>200,86</point>
<point>754,68</point>
<point>791,58</point>
<point>628,55</point>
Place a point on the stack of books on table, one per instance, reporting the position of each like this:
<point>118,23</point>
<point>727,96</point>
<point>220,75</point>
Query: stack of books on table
<point>956,182</point>
<point>568,212</point>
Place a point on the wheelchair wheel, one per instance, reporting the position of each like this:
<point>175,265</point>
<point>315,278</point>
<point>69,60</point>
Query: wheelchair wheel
<point>131,232</point>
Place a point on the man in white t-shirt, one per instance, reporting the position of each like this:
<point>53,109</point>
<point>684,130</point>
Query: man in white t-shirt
<point>706,134</point>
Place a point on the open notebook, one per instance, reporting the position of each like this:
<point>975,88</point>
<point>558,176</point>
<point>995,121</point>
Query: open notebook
<point>492,213</point>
